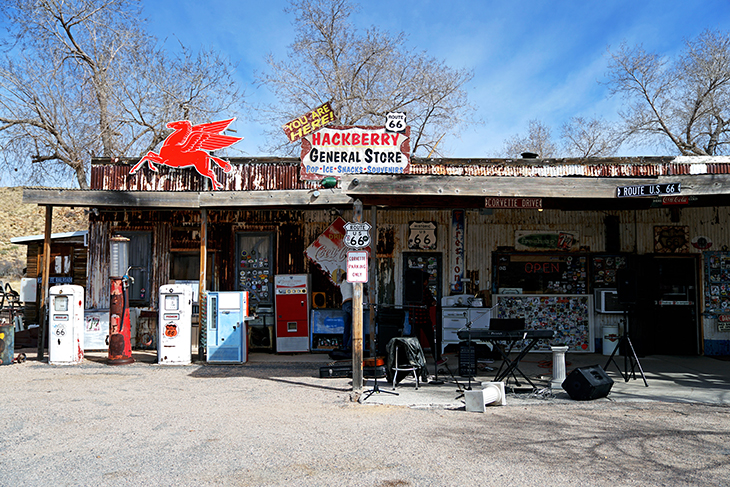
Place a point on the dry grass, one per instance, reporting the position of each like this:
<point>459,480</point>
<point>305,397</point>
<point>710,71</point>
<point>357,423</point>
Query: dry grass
<point>20,220</point>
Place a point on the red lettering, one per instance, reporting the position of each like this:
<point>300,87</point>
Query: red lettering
<point>365,139</point>
<point>335,138</point>
<point>316,137</point>
<point>544,268</point>
<point>346,138</point>
<point>355,139</point>
<point>375,139</point>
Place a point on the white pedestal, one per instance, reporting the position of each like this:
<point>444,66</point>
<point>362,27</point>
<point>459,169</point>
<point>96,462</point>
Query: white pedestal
<point>558,367</point>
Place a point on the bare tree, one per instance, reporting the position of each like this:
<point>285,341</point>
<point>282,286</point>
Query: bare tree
<point>684,100</point>
<point>365,75</point>
<point>537,141</point>
<point>82,79</point>
<point>593,137</point>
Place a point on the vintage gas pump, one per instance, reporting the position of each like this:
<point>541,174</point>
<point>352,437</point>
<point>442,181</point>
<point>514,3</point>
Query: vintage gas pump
<point>66,325</point>
<point>120,339</point>
<point>175,324</point>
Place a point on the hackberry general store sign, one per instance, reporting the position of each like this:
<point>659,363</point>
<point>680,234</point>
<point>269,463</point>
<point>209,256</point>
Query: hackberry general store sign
<point>334,151</point>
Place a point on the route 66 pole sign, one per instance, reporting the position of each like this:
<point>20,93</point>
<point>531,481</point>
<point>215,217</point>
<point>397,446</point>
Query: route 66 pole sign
<point>357,235</point>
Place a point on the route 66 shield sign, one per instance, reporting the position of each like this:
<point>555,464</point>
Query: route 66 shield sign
<point>395,122</point>
<point>357,235</point>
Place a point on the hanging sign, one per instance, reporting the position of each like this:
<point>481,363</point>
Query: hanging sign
<point>357,235</point>
<point>188,146</point>
<point>357,266</point>
<point>531,240</point>
<point>513,203</point>
<point>422,236</point>
<point>334,151</point>
<point>309,122</point>
<point>648,190</point>
<point>457,253</point>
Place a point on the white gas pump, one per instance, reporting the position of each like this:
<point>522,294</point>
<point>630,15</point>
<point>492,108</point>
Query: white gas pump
<point>175,324</point>
<point>66,325</point>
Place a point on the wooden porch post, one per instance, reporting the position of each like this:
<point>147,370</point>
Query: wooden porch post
<point>373,286</point>
<point>43,330</point>
<point>202,333</point>
<point>357,322</point>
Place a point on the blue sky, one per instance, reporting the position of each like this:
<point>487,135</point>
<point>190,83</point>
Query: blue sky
<point>531,59</point>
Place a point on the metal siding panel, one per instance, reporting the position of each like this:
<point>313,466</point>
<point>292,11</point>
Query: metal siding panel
<point>97,288</point>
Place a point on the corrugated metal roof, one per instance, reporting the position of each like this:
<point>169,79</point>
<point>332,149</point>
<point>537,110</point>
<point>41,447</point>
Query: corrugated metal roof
<point>267,173</point>
<point>54,236</point>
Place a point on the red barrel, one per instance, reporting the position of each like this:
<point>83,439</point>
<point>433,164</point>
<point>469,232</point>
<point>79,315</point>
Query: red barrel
<point>120,340</point>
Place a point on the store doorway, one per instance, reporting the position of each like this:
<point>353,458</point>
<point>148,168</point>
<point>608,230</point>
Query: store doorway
<point>416,266</point>
<point>666,314</point>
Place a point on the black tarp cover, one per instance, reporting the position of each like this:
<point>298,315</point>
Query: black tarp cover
<point>414,355</point>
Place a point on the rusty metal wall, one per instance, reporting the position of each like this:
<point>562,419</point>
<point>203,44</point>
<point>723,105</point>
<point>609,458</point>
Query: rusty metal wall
<point>486,231</point>
<point>97,278</point>
<point>245,175</point>
<point>260,174</point>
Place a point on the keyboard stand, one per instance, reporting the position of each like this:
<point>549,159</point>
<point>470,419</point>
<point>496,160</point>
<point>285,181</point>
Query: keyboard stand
<point>513,365</point>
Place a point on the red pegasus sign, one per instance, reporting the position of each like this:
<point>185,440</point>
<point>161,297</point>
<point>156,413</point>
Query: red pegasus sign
<point>187,146</point>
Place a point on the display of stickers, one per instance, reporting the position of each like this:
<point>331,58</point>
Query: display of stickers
<point>254,275</point>
<point>605,268</point>
<point>717,285</point>
<point>568,316</point>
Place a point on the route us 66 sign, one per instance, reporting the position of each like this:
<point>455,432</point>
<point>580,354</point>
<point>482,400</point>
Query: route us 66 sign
<point>395,122</point>
<point>422,236</point>
<point>357,235</point>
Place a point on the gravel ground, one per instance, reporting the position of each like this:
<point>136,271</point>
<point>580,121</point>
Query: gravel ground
<point>279,424</point>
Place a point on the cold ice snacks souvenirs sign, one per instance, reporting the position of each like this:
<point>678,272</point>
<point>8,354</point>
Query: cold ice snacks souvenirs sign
<point>188,146</point>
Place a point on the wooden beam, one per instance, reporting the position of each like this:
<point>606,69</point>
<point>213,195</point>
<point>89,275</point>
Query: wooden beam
<point>539,187</point>
<point>186,199</point>
<point>299,197</point>
<point>129,199</point>
<point>43,331</point>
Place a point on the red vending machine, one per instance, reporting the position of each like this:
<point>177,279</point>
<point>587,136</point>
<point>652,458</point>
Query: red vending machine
<point>291,296</point>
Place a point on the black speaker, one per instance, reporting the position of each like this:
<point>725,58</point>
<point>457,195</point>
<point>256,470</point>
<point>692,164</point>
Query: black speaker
<point>586,383</point>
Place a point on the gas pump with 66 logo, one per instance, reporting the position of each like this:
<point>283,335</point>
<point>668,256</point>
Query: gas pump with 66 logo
<point>66,325</point>
<point>175,323</point>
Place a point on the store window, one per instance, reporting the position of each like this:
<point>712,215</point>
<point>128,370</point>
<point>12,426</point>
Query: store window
<point>140,257</point>
<point>185,266</point>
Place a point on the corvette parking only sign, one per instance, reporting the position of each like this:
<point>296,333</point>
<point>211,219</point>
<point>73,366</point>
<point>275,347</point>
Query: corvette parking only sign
<point>357,266</point>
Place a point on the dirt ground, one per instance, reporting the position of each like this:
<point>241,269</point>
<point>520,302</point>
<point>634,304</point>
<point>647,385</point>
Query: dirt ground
<point>280,425</point>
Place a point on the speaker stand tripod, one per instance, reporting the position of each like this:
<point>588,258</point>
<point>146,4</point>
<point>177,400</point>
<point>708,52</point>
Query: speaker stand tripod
<point>630,357</point>
<point>376,388</point>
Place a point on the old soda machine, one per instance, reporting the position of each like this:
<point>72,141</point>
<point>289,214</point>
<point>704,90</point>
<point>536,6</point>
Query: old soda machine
<point>66,324</point>
<point>226,326</point>
<point>292,312</point>
<point>175,324</point>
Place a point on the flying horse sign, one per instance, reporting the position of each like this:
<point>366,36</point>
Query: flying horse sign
<point>188,146</point>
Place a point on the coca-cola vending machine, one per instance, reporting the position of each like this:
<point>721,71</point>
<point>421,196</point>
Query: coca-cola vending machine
<point>291,296</point>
